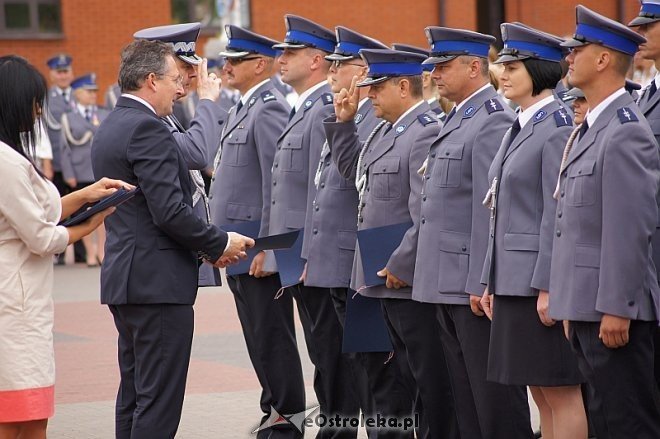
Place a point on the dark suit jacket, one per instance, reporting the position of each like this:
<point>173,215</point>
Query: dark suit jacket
<point>153,239</point>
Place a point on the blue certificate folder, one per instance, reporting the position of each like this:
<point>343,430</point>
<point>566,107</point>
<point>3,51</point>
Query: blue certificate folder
<point>289,263</point>
<point>112,200</point>
<point>376,248</point>
<point>365,329</point>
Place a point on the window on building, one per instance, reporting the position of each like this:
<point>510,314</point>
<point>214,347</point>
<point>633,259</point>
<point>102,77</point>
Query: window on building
<point>213,14</point>
<point>30,18</point>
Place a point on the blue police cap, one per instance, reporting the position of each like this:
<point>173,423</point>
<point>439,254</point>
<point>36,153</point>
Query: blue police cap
<point>385,64</point>
<point>301,32</point>
<point>60,61</point>
<point>87,82</point>
<point>593,28</point>
<point>349,44</point>
<point>242,42</point>
<point>522,42</point>
<point>447,43</point>
<point>648,13</point>
<point>415,49</point>
<point>182,36</point>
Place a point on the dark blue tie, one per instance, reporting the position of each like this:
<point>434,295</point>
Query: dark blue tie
<point>583,129</point>
<point>515,130</point>
<point>239,105</point>
<point>292,113</point>
<point>653,89</point>
<point>450,115</point>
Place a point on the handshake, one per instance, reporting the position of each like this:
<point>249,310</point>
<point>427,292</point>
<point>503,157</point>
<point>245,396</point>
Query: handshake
<point>236,250</point>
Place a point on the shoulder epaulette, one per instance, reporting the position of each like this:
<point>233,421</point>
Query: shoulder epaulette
<point>267,96</point>
<point>426,119</point>
<point>562,118</point>
<point>493,105</point>
<point>626,115</point>
<point>327,98</point>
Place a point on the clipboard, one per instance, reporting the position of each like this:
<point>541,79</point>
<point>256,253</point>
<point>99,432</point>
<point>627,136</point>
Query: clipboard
<point>122,195</point>
<point>376,248</point>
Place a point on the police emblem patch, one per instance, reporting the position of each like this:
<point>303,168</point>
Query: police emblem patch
<point>400,129</point>
<point>469,111</point>
<point>539,115</point>
<point>359,117</point>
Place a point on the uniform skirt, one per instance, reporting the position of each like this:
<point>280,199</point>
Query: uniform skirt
<point>523,351</point>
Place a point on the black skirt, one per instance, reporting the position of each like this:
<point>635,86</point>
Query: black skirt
<point>523,351</point>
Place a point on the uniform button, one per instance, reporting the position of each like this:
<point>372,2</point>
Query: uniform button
<point>492,235</point>
<point>361,220</point>
<point>212,178</point>
<point>274,183</point>
<point>562,193</point>
<point>631,303</point>
<point>432,155</point>
<point>322,185</point>
<point>464,248</point>
<point>580,171</point>
<point>273,202</point>
<point>279,146</point>
<point>367,189</point>
<point>558,233</point>
<point>564,174</point>
<point>369,150</point>
<point>423,220</point>
<point>559,214</point>
<point>316,208</point>
<point>424,198</point>
<point>249,217</point>
<point>315,231</point>
<point>210,196</point>
<point>275,164</point>
<point>427,177</point>
<point>230,136</point>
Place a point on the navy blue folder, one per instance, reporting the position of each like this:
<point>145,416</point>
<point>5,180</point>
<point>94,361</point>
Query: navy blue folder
<point>376,248</point>
<point>365,329</point>
<point>115,199</point>
<point>251,230</point>
<point>289,263</point>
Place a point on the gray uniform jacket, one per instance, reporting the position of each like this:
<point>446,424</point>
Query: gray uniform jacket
<point>651,110</point>
<point>452,241</point>
<point>393,191</point>
<point>522,223</point>
<point>606,216</point>
<point>296,159</point>
<point>76,143</point>
<point>331,217</point>
<point>55,108</point>
<point>241,184</point>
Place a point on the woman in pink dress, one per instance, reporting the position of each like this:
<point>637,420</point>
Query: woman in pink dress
<point>30,209</point>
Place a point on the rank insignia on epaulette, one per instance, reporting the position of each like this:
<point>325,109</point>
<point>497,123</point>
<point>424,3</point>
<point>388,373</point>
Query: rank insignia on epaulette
<point>469,112</point>
<point>327,98</point>
<point>267,96</point>
<point>626,115</point>
<point>493,105</point>
<point>539,116</point>
<point>358,117</point>
<point>426,119</point>
<point>562,119</point>
<point>253,99</point>
<point>400,129</point>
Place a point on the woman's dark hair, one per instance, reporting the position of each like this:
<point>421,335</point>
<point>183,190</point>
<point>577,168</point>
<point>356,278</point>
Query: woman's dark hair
<point>22,94</point>
<point>545,74</point>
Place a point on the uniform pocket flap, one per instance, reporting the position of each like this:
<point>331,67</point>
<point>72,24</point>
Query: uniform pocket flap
<point>295,219</point>
<point>451,150</point>
<point>237,136</point>
<point>585,167</point>
<point>587,256</point>
<point>243,212</point>
<point>454,242</point>
<point>165,243</point>
<point>293,141</point>
<point>346,239</point>
<point>386,165</point>
<point>521,241</point>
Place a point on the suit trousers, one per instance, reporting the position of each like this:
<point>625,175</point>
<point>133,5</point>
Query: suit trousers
<point>415,334</point>
<point>332,370</point>
<point>485,410</point>
<point>622,404</point>
<point>270,336</point>
<point>154,353</point>
<point>378,381</point>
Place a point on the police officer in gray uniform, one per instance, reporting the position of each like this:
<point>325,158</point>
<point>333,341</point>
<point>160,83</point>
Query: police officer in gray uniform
<point>603,281</point>
<point>452,242</point>
<point>648,25</point>
<point>331,216</point>
<point>240,191</point>
<point>304,67</point>
<point>390,187</point>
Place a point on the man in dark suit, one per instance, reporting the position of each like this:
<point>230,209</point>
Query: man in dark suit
<point>149,275</point>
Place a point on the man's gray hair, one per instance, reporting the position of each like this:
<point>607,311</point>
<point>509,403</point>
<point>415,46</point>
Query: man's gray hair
<point>141,58</point>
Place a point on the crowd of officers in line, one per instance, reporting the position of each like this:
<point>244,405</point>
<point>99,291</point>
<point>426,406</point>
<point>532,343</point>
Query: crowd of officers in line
<point>525,258</point>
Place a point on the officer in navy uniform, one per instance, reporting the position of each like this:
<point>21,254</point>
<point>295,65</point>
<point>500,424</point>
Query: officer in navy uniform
<point>331,245</point>
<point>648,25</point>
<point>304,67</point>
<point>452,241</point>
<point>240,192</point>
<point>430,89</point>
<point>389,186</point>
<point>603,281</point>
<point>206,126</point>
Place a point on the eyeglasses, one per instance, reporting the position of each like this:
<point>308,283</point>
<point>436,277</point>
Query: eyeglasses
<point>338,63</point>
<point>237,61</point>
<point>177,79</point>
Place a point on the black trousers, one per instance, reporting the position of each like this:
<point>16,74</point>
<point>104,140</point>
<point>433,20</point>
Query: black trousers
<point>485,410</point>
<point>270,336</point>
<point>154,353</point>
<point>332,370</point>
<point>378,381</point>
<point>415,334</point>
<point>622,404</point>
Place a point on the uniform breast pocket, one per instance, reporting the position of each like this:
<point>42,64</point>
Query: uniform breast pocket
<point>581,185</point>
<point>234,151</point>
<point>291,153</point>
<point>447,168</point>
<point>385,179</point>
